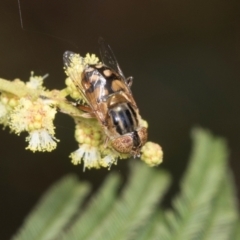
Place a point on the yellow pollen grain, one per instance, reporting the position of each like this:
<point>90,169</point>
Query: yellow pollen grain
<point>79,131</point>
<point>38,117</point>
<point>96,135</point>
<point>68,89</point>
<point>37,125</point>
<point>87,140</point>
<point>95,143</point>
<point>12,102</point>
<point>75,94</point>
<point>4,100</point>
<point>31,127</point>
<point>87,131</point>
<point>71,88</point>
<point>18,81</point>
<point>68,81</point>
<point>45,108</point>
<point>80,139</point>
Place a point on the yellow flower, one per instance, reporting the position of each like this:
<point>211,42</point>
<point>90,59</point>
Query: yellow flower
<point>4,114</point>
<point>36,82</point>
<point>152,154</point>
<point>144,123</point>
<point>88,154</point>
<point>88,131</point>
<point>7,104</point>
<point>93,149</point>
<point>41,140</point>
<point>29,116</point>
<point>74,67</point>
<point>91,59</point>
<point>72,89</point>
<point>110,156</point>
<point>87,134</point>
<point>108,160</point>
<point>33,110</point>
<point>37,119</point>
<point>3,110</point>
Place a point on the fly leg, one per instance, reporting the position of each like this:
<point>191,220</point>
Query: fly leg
<point>86,111</point>
<point>106,141</point>
<point>107,97</point>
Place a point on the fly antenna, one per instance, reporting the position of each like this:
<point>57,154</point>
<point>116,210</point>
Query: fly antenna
<point>20,14</point>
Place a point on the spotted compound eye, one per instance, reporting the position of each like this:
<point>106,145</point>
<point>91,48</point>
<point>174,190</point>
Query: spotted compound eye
<point>123,144</point>
<point>143,135</point>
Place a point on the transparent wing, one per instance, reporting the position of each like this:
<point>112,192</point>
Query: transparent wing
<point>73,73</point>
<point>108,57</point>
<point>67,56</point>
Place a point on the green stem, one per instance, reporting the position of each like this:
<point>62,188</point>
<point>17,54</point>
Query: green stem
<point>20,90</point>
<point>17,89</point>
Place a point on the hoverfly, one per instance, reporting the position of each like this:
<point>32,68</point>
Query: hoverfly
<point>109,97</point>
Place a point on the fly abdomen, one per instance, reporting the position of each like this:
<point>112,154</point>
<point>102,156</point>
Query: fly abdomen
<point>123,118</point>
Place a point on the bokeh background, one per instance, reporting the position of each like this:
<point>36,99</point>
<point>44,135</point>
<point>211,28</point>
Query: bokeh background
<point>185,59</point>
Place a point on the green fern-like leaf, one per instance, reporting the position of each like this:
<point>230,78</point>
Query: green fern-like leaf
<point>205,208</point>
<point>223,215</point>
<point>194,208</point>
<point>54,210</point>
<point>236,233</point>
<point>154,227</point>
<point>132,209</point>
<point>95,211</point>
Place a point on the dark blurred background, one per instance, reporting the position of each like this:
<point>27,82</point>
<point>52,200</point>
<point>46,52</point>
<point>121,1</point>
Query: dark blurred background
<point>184,56</point>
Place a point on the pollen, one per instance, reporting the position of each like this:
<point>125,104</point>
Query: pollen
<point>110,156</point>
<point>72,89</point>
<point>94,150</point>
<point>152,154</point>
<point>107,161</point>
<point>30,107</point>
<point>36,82</point>
<point>36,118</point>
<point>87,154</point>
<point>88,132</point>
<point>3,114</point>
<point>74,68</point>
<point>144,123</point>
<point>41,140</point>
<point>76,64</point>
<point>7,104</point>
<point>28,116</point>
<point>91,59</point>
<point>3,110</point>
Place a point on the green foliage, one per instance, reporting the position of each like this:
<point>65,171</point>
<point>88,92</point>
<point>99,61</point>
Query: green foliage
<point>54,210</point>
<point>204,209</point>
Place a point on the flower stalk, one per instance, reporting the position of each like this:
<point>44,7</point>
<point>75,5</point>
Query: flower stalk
<point>17,88</point>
